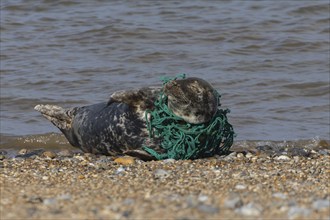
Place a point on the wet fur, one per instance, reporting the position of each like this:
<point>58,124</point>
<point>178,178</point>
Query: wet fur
<point>192,99</point>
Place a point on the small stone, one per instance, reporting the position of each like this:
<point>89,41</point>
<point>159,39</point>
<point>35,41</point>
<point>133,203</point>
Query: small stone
<point>233,154</point>
<point>283,157</point>
<point>324,152</point>
<point>298,151</point>
<point>65,153</point>
<point>3,152</point>
<point>250,209</point>
<point>230,157</point>
<point>64,197</point>
<point>192,202</point>
<point>2,157</point>
<point>49,201</point>
<point>170,160</point>
<point>45,177</point>
<point>22,151</point>
<point>160,173</point>
<point>240,155</point>
<point>240,187</point>
<point>208,209</point>
<point>296,212</point>
<point>321,204</point>
<point>104,159</point>
<point>279,195</point>
<point>234,201</point>
<point>296,159</point>
<point>89,156</point>
<point>125,160</point>
<point>128,201</point>
<point>249,155</point>
<point>103,162</point>
<point>203,198</point>
<point>81,177</point>
<point>120,170</point>
<point>254,159</point>
<point>49,154</point>
<point>34,199</point>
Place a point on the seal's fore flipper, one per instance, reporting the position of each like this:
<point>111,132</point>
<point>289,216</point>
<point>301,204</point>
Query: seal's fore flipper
<point>60,117</point>
<point>143,98</point>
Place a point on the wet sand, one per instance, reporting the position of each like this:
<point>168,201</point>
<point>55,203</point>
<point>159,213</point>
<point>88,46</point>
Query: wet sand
<point>259,183</point>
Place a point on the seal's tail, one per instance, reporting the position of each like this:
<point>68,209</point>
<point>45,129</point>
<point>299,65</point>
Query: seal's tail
<point>59,116</point>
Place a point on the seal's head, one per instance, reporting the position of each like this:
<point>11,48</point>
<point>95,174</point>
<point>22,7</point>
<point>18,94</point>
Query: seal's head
<point>192,99</point>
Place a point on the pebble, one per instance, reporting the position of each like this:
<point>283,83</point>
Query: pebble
<point>64,197</point>
<point>230,157</point>
<point>160,173</point>
<point>208,209</point>
<point>234,201</point>
<point>128,201</point>
<point>120,170</point>
<point>324,152</point>
<point>22,151</point>
<point>34,199</point>
<point>49,154</point>
<point>254,159</point>
<point>240,187</point>
<point>49,201</point>
<point>103,162</point>
<point>321,204</point>
<point>170,160</point>
<point>251,209</point>
<point>65,153</point>
<point>249,155</point>
<point>279,195</point>
<point>298,151</point>
<point>240,155</point>
<point>283,157</point>
<point>192,202</point>
<point>125,160</point>
<point>203,198</point>
<point>297,212</point>
<point>2,157</point>
<point>89,156</point>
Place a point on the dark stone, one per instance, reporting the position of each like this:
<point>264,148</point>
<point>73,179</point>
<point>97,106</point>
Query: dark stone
<point>298,151</point>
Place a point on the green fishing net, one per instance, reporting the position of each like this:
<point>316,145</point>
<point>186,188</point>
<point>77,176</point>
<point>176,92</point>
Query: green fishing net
<point>182,140</point>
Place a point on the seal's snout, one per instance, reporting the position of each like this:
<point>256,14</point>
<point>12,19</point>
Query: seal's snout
<point>59,116</point>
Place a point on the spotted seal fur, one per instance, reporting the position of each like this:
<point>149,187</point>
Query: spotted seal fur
<point>119,125</point>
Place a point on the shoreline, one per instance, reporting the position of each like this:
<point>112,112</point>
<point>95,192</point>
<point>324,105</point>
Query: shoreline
<point>260,183</point>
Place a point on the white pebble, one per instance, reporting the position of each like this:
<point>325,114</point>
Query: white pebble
<point>250,209</point>
<point>321,204</point>
<point>240,187</point>
<point>160,173</point>
<point>298,212</point>
<point>279,195</point>
<point>203,198</point>
<point>283,157</point>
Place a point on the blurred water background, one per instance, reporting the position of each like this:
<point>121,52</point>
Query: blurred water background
<point>268,59</point>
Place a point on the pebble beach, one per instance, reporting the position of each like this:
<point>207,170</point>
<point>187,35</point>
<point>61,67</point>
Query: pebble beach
<point>260,182</point>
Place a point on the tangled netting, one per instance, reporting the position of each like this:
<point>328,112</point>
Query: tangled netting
<point>183,140</point>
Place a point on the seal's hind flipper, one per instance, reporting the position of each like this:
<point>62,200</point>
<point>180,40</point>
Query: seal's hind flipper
<point>143,98</point>
<point>59,116</point>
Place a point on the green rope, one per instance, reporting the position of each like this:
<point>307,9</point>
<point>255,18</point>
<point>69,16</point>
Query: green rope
<point>182,140</point>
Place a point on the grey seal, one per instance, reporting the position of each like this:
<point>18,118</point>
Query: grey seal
<point>118,126</point>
